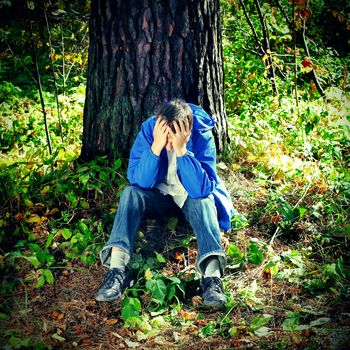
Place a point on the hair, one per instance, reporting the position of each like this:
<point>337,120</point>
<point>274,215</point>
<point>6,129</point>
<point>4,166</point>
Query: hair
<point>176,110</point>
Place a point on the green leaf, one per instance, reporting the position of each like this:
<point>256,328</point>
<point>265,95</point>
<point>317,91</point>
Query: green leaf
<point>72,199</point>
<point>255,255</point>
<point>158,289</point>
<point>42,256</point>
<point>259,321</point>
<point>84,178</point>
<point>41,282</point>
<point>104,177</point>
<point>286,210</point>
<point>82,169</point>
<point>160,258</point>
<point>66,233</point>
<point>262,331</point>
<point>3,316</point>
<point>48,276</point>
<point>272,267</point>
<point>33,260</point>
<point>319,321</point>
<point>299,212</point>
<point>131,307</point>
<point>291,322</point>
<point>30,5</point>
<point>83,228</point>
<point>49,240</point>
<point>159,322</point>
<point>234,252</point>
<point>233,331</point>
<point>171,291</point>
<point>117,164</point>
<point>84,204</point>
<point>35,247</point>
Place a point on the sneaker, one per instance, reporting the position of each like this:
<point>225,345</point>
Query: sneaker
<point>113,285</point>
<point>213,292</point>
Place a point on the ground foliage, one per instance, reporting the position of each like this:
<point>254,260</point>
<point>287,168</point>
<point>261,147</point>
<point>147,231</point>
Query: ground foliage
<point>286,168</point>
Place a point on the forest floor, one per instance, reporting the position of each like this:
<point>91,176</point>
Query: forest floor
<point>66,315</point>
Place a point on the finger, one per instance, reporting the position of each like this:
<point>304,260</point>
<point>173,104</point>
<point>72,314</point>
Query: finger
<point>164,126</point>
<point>158,120</point>
<point>170,131</point>
<point>163,123</point>
<point>183,127</point>
<point>176,126</point>
<point>187,126</point>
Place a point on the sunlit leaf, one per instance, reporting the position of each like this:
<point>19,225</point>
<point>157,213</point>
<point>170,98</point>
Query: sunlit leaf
<point>131,307</point>
<point>158,289</point>
<point>259,321</point>
<point>262,331</point>
<point>148,274</point>
<point>188,315</point>
<point>40,282</point>
<point>255,255</point>
<point>48,276</point>
<point>66,233</point>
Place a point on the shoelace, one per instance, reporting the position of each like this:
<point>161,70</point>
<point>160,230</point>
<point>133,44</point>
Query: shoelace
<point>214,283</point>
<point>111,276</point>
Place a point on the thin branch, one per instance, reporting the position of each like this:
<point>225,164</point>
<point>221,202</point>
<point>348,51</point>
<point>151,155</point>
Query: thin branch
<point>251,25</point>
<point>290,24</point>
<point>252,51</point>
<point>63,60</point>
<point>267,47</point>
<point>53,74</point>
<point>313,72</point>
<point>295,60</point>
<point>35,62</point>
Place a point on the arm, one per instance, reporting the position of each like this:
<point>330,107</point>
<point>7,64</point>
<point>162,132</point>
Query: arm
<point>144,165</point>
<point>197,172</point>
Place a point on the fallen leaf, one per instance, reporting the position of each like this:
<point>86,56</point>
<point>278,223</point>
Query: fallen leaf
<point>86,341</point>
<point>111,321</point>
<point>56,315</point>
<point>58,337</point>
<point>179,256</point>
<point>188,315</point>
<point>197,300</point>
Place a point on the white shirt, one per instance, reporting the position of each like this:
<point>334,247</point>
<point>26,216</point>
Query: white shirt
<point>171,183</point>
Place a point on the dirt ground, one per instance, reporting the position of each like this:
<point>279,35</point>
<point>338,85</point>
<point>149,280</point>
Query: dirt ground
<point>66,315</point>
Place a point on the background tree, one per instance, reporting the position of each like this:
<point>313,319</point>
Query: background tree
<point>142,54</point>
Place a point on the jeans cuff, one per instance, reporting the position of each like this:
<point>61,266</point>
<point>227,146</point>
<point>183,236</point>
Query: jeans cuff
<point>219,254</point>
<point>105,254</point>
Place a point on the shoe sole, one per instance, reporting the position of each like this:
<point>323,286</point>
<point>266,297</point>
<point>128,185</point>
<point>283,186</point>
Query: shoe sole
<point>214,305</point>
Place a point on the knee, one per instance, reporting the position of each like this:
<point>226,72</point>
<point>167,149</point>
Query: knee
<point>200,204</point>
<point>131,194</point>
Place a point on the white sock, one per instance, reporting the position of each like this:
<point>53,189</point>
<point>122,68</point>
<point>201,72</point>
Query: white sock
<point>212,267</point>
<point>119,259</point>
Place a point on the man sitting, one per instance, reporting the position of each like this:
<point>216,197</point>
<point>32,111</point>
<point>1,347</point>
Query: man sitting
<point>172,166</point>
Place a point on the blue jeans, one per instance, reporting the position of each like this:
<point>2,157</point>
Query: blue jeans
<point>137,204</point>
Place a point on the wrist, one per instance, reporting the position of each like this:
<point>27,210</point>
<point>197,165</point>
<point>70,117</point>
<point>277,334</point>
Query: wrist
<point>155,150</point>
<point>181,152</point>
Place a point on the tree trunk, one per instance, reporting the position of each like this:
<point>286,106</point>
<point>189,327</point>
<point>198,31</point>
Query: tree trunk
<point>143,53</point>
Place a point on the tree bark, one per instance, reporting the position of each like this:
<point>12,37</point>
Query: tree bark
<point>143,53</point>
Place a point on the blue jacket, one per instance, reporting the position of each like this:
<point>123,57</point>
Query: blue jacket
<point>196,169</point>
